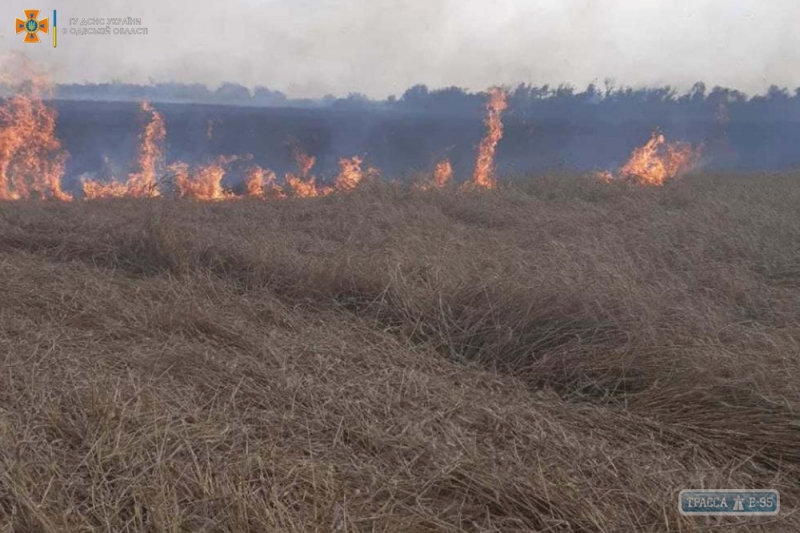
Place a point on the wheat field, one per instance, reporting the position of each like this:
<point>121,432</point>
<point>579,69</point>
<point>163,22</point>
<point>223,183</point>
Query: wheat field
<point>555,355</point>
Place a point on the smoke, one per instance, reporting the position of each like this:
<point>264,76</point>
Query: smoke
<point>380,47</point>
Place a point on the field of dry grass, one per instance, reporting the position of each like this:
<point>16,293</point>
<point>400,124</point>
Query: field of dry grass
<point>561,355</point>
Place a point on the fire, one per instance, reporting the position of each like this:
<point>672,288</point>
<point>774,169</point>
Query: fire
<point>261,183</point>
<point>350,174</point>
<point>658,161</point>
<point>304,162</point>
<point>93,190</point>
<point>442,175</point>
<point>151,155</point>
<point>203,182</point>
<point>142,184</point>
<point>31,159</point>
<point>484,166</point>
<point>302,188</point>
<point>303,184</point>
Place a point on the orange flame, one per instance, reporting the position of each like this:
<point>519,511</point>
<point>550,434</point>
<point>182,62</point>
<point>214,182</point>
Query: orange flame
<point>350,174</point>
<point>151,155</point>
<point>142,184</point>
<point>304,162</point>
<point>261,183</point>
<point>658,161</point>
<point>93,190</point>
<point>31,159</point>
<point>303,184</point>
<point>442,174</point>
<point>302,188</point>
<point>204,182</point>
<point>484,166</point>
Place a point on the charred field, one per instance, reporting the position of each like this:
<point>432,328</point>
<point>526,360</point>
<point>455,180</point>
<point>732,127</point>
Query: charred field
<point>557,354</point>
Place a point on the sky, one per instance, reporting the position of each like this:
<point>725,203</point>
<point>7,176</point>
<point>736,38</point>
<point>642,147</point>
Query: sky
<point>309,48</point>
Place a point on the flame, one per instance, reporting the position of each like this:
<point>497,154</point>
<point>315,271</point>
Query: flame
<point>304,162</point>
<point>151,155</point>
<point>93,190</point>
<point>484,166</point>
<point>303,188</point>
<point>142,184</point>
<point>303,184</point>
<point>658,161</point>
<point>203,182</point>
<point>261,183</point>
<point>442,174</point>
<point>31,159</point>
<point>350,174</point>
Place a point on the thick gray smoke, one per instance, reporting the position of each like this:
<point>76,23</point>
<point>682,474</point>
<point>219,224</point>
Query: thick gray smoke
<point>380,47</point>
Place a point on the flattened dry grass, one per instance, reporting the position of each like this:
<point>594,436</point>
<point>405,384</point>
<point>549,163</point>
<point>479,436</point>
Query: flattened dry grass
<point>557,355</point>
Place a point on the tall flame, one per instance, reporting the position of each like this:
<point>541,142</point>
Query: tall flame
<point>151,155</point>
<point>658,161</point>
<point>484,166</point>
<point>31,159</point>
<point>142,184</point>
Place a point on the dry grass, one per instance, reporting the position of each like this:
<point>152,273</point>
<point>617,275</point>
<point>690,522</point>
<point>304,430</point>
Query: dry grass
<point>557,356</point>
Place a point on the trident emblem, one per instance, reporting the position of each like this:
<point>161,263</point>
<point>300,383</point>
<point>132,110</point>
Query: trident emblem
<point>31,26</point>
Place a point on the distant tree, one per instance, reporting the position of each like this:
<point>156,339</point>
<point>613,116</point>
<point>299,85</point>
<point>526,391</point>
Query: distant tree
<point>267,97</point>
<point>452,100</point>
<point>777,94</point>
<point>195,92</point>
<point>415,96</point>
<point>698,91</point>
<point>233,93</point>
<point>353,101</point>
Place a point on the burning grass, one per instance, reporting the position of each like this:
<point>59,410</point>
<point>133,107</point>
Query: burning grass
<point>561,355</point>
<point>32,162</point>
<point>656,162</point>
<point>31,158</point>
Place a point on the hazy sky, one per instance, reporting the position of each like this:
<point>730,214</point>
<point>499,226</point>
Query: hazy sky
<point>381,47</point>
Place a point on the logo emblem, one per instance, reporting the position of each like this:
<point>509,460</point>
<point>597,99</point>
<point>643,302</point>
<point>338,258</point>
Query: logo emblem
<point>722,502</point>
<point>31,26</point>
